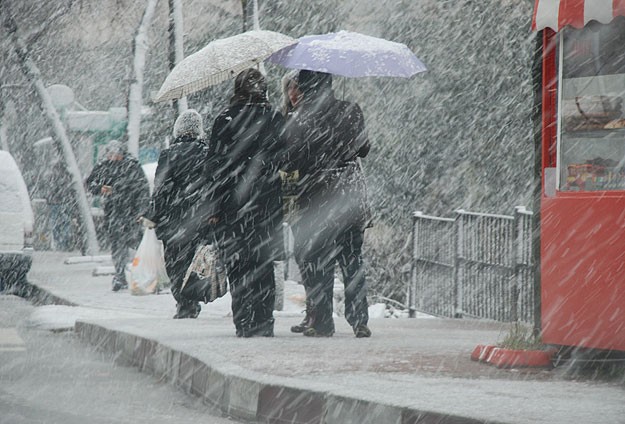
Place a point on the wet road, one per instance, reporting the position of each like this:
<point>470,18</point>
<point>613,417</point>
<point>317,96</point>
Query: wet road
<point>53,378</point>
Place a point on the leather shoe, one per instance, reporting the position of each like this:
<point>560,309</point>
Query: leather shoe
<point>362,331</point>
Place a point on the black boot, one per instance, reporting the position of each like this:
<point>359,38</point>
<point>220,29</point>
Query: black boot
<point>302,326</point>
<point>361,331</point>
<point>313,332</point>
<point>119,283</point>
<point>318,327</point>
<point>264,329</point>
<point>187,310</point>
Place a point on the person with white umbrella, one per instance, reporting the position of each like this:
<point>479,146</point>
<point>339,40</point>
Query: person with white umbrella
<point>247,143</point>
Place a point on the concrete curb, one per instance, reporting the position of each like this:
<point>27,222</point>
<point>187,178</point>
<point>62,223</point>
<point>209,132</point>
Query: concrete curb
<point>39,296</point>
<point>248,395</point>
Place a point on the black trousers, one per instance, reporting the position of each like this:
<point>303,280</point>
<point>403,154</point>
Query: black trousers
<point>121,241</point>
<point>253,291</point>
<point>178,258</point>
<point>317,263</point>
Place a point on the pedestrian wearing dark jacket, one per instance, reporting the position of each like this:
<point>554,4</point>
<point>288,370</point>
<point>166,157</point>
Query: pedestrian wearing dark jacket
<point>62,207</point>
<point>181,203</point>
<point>246,138</point>
<point>125,192</point>
<point>291,99</point>
<point>326,137</point>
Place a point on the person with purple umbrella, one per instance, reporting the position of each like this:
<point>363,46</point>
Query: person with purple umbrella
<point>326,137</point>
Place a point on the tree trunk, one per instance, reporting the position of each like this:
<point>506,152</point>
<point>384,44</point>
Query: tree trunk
<point>34,76</point>
<point>176,46</point>
<point>4,140</point>
<point>255,17</point>
<point>135,94</point>
<point>256,27</point>
<point>244,10</point>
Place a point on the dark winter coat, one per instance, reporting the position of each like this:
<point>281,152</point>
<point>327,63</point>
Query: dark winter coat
<point>246,137</point>
<point>181,203</point>
<point>325,137</point>
<point>60,187</point>
<point>130,193</point>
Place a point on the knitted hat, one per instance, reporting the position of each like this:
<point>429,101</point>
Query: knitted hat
<point>189,123</point>
<point>114,147</point>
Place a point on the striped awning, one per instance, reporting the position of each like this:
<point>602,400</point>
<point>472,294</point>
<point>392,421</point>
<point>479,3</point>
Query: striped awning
<point>556,14</point>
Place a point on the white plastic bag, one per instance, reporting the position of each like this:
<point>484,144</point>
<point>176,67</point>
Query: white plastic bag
<point>147,271</point>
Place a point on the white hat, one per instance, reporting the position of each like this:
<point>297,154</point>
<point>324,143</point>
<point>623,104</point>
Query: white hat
<point>189,123</point>
<point>114,147</point>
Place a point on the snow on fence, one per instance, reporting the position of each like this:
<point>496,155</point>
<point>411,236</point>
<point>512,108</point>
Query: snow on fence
<point>474,265</point>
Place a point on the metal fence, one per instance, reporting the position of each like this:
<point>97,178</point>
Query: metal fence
<point>475,265</point>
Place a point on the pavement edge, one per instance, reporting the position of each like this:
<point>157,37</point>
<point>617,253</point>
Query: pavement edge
<point>248,398</point>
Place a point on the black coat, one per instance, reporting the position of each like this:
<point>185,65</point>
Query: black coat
<point>181,203</point>
<point>246,137</point>
<point>130,192</point>
<point>325,137</point>
<point>60,187</point>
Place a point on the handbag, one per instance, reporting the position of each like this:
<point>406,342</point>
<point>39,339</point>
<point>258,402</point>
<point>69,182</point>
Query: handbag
<point>205,279</point>
<point>348,182</point>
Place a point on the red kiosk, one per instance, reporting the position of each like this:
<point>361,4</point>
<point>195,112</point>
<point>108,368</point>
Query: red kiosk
<point>582,210</point>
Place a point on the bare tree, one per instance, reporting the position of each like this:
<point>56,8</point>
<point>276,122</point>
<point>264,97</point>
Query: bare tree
<point>176,45</point>
<point>32,73</point>
<point>244,10</point>
<point>255,16</point>
<point>135,94</point>
<point>4,141</point>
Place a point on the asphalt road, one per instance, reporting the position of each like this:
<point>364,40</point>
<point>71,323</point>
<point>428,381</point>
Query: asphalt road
<point>53,378</point>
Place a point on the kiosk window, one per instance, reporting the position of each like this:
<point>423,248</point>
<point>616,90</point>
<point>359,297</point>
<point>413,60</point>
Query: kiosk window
<point>591,142</point>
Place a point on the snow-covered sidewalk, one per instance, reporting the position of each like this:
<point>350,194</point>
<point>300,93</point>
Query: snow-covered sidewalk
<point>409,371</point>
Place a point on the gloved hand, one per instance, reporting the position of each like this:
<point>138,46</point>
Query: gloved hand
<point>146,222</point>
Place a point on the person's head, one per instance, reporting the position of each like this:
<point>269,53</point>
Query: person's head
<point>291,94</point>
<point>114,150</point>
<point>313,82</point>
<point>250,86</point>
<point>189,124</point>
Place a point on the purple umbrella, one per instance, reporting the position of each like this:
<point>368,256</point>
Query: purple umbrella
<point>350,54</point>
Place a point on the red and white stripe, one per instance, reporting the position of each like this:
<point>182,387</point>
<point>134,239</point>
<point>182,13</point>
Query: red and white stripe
<point>556,14</point>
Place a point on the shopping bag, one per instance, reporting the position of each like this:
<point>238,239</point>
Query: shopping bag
<point>147,271</point>
<point>206,279</point>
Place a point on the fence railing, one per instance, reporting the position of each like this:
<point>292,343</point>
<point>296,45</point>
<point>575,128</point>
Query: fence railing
<point>475,265</point>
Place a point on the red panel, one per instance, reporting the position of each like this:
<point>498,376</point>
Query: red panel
<point>550,99</point>
<point>534,15</point>
<point>571,13</point>
<point>583,270</point>
<point>618,8</point>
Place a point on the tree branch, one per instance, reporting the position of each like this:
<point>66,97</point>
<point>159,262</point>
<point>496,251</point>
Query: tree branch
<point>35,34</point>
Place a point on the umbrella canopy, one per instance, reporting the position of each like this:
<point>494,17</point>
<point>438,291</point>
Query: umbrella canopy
<point>350,54</point>
<point>219,61</point>
<point>556,14</point>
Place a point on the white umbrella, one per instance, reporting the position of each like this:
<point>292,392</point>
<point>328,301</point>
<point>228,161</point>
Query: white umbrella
<point>219,61</point>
